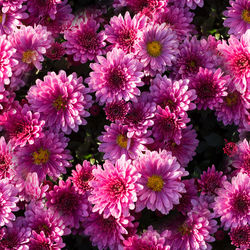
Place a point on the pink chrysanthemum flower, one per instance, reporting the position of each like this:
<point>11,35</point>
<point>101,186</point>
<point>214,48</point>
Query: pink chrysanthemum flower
<point>230,148</point>
<point>238,17</point>
<point>140,116</point>
<point>116,110</point>
<point>7,61</point>
<point>8,200</point>
<point>192,56</point>
<point>178,19</point>
<point>15,237</point>
<point>236,55</point>
<point>115,77</point>
<point>240,237</point>
<point>22,126</point>
<point>71,206</point>
<point>210,87</point>
<point>167,125</point>
<point>233,202</point>
<point>158,48</point>
<point>82,176</point>
<point>161,180</point>
<point>150,239</point>
<point>175,95</point>
<point>115,142</point>
<point>195,231</point>
<point>30,44</point>
<point>6,163</point>
<point>125,32</point>
<point>40,219</point>
<point>56,51</point>
<point>47,156</point>
<point>7,101</point>
<point>210,181</point>
<point>108,232</point>
<point>11,5</point>
<point>241,159</point>
<point>61,100</point>
<point>84,42</point>
<point>114,188</point>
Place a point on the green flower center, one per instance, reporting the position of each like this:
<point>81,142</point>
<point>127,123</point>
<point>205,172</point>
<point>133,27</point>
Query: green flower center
<point>59,103</point>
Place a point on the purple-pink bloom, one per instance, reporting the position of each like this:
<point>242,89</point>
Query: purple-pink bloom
<point>115,77</point>
<point>240,237</point>
<point>116,110</point>
<point>11,5</point>
<point>56,51</point>
<point>161,180</point>
<point>61,100</point>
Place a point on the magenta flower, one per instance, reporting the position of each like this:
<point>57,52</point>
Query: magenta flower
<point>125,32</point>
<point>240,237</point>
<point>84,42</point>
<point>61,100</point>
<point>115,142</point>
<point>161,180</point>
<point>176,95</point>
<point>158,48</point>
<point>8,200</point>
<point>116,110</point>
<point>82,176</point>
<point>210,87</point>
<point>70,206</point>
<point>108,232</point>
<point>11,5</point>
<point>233,202</point>
<point>115,77</point>
<point>114,188</point>
<point>7,61</point>
<point>193,3</point>
<point>238,17</point>
<point>30,44</point>
<point>56,51</point>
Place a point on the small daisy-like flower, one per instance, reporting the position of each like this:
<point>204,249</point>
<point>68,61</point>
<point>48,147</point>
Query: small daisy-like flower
<point>8,200</point>
<point>161,180</point>
<point>83,41</point>
<point>175,95</point>
<point>61,100</point>
<point>115,142</point>
<point>150,239</point>
<point>238,17</point>
<point>241,159</point>
<point>107,233</point>
<point>116,77</point>
<point>233,202</point>
<point>140,115</point>
<point>114,188</point>
<point>116,110</point>
<point>240,236</point>
<point>167,126</point>
<point>30,44</point>
<point>22,126</point>
<point>7,61</point>
<point>47,156</point>
<point>236,55</point>
<point>210,87</point>
<point>125,32</point>
<point>82,176</point>
<point>71,206</point>
<point>56,51</point>
<point>158,48</point>
<point>210,181</point>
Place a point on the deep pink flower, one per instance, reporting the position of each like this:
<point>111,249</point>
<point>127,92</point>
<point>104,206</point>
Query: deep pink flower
<point>161,180</point>
<point>56,51</point>
<point>238,17</point>
<point>193,3</point>
<point>115,77</point>
<point>116,110</point>
<point>11,5</point>
<point>114,188</point>
<point>240,236</point>
<point>70,205</point>
<point>84,42</point>
<point>115,142</point>
<point>230,148</point>
<point>61,100</point>
<point>233,202</point>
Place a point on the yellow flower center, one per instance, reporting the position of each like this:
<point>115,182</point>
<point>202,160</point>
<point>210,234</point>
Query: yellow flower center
<point>29,56</point>
<point>246,15</point>
<point>59,103</point>
<point>122,141</point>
<point>184,229</point>
<point>1,18</point>
<point>155,183</point>
<point>154,48</point>
<point>231,99</point>
<point>41,156</point>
